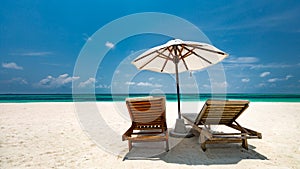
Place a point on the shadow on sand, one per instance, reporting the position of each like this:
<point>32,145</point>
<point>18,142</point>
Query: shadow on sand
<point>187,151</point>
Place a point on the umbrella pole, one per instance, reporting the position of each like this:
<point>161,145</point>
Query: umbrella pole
<point>180,129</point>
<point>178,92</point>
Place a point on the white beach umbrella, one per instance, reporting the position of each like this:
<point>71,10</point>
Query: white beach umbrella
<point>178,56</point>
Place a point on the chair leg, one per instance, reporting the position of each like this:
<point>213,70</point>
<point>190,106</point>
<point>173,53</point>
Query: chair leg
<point>167,145</point>
<point>129,145</point>
<point>202,141</point>
<point>245,144</point>
<point>203,147</point>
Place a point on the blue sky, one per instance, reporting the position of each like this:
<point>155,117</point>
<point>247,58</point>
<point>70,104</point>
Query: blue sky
<point>40,42</point>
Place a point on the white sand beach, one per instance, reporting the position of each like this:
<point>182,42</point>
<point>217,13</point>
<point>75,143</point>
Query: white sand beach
<point>50,135</point>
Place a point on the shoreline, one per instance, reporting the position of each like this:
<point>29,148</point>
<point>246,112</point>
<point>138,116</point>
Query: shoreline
<point>182,101</point>
<point>24,98</point>
<point>50,135</point>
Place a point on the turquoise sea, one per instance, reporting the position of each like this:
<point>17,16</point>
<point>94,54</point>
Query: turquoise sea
<point>23,98</point>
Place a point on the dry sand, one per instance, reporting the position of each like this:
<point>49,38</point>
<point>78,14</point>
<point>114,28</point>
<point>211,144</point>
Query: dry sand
<point>50,135</point>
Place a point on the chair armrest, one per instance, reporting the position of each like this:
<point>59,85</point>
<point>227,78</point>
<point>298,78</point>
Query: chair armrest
<point>248,131</point>
<point>127,133</point>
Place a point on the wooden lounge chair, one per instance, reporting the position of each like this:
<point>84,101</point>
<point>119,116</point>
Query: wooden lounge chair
<point>221,112</point>
<point>148,116</point>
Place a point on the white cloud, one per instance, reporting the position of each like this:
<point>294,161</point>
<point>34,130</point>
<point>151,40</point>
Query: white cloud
<point>56,82</point>
<point>148,84</point>
<point>244,62</point>
<point>264,74</point>
<point>109,45</point>
<point>252,63</point>
<point>241,60</point>
<point>158,85</point>
<point>274,80</point>
<point>258,66</point>
<point>37,53</point>
<point>220,84</point>
<point>280,79</point>
<point>88,83</point>
<point>12,65</point>
<point>206,86</point>
<point>143,84</point>
<point>151,78</point>
<point>130,83</point>
<point>86,37</point>
<point>245,80</point>
<point>216,85</point>
<point>271,65</point>
<point>288,76</point>
<point>44,53</point>
<point>117,72</point>
<point>103,86</point>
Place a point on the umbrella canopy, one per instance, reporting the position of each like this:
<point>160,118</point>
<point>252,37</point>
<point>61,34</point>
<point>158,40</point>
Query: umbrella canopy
<point>187,55</point>
<point>178,56</point>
